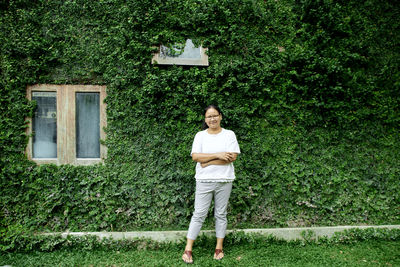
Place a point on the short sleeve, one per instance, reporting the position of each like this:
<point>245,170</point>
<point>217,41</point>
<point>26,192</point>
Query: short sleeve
<point>233,145</point>
<point>196,146</point>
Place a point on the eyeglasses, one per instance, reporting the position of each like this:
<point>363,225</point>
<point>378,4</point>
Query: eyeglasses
<point>213,117</point>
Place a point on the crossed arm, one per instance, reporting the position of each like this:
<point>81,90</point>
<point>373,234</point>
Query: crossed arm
<point>207,159</point>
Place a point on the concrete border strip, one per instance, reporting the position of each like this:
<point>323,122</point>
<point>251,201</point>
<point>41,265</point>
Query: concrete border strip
<point>176,236</point>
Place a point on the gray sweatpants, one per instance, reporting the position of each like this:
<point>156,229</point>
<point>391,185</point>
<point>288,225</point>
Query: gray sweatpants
<point>202,202</point>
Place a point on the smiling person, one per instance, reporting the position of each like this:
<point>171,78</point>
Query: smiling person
<point>214,149</point>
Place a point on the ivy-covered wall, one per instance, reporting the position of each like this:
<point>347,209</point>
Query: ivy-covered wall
<point>311,89</point>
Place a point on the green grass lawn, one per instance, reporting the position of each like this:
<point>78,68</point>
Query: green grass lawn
<point>365,253</point>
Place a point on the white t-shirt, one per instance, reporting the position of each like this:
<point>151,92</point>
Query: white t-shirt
<point>224,141</point>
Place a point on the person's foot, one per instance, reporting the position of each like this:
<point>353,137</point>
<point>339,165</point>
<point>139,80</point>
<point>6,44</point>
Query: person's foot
<point>219,254</point>
<point>187,257</point>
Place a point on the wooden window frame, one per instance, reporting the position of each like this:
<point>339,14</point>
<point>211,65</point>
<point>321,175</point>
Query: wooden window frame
<point>66,125</point>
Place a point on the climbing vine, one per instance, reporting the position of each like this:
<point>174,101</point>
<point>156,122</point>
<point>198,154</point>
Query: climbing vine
<point>309,87</point>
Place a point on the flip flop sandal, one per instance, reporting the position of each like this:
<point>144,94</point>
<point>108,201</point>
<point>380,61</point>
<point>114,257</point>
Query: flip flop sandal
<point>188,253</point>
<point>217,252</point>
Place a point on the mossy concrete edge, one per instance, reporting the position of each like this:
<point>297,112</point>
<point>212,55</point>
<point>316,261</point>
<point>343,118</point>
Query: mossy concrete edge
<point>280,233</point>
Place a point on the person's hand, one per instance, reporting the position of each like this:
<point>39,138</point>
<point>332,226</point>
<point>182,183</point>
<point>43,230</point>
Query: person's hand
<point>203,165</point>
<point>226,156</point>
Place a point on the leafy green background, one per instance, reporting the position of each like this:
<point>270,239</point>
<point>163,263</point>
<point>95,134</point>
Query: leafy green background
<point>311,89</point>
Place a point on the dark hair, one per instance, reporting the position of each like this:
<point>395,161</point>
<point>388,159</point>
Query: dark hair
<point>205,126</point>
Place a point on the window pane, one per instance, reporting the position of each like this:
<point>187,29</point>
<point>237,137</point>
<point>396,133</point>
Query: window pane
<point>87,125</point>
<point>44,125</point>
<point>189,51</point>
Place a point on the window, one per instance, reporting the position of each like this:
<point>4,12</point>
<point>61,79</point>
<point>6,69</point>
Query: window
<point>67,124</point>
<point>181,55</point>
